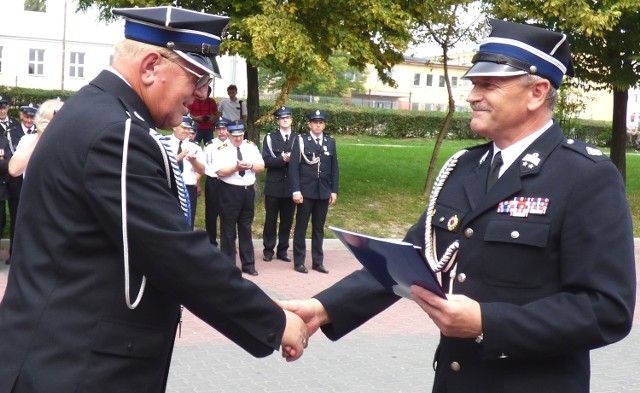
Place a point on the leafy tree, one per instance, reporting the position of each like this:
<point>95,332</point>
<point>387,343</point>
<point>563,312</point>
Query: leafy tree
<point>344,82</point>
<point>446,23</point>
<point>604,36</point>
<point>297,37</point>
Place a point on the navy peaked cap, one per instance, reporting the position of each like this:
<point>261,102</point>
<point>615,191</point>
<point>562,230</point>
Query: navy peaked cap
<point>221,122</point>
<point>29,109</point>
<point>518,49</point>
<point>187,121</point>
<point>4,100</point>
<point>317,115</point>
<point>194,36</point>
<point>236,127</point>
<point>283,112</point>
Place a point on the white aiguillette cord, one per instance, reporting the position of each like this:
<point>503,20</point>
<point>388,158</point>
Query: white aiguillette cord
<point>447,261</point>
<point>171,165</point>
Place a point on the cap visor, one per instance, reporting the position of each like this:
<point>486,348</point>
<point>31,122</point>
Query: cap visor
<point>203,63</point>
<point>483,68</point>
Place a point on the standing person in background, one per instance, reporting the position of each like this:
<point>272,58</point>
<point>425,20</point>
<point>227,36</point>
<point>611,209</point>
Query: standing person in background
<point>212,183</point>
<point>231,108</point>
<point>14,183</point>
<point>104,255</point>
<point>314,176</point>
<point>276,152</point>
<point>5,159</point>
<point>236,165</point>
<point>44,114</point>
<point>204,113</point>
<point>538,273</point>
<point>190,160</point>
<point>632,131</point>
<point>6,121</point>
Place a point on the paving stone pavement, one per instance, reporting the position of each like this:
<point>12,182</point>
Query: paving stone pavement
<point>390,353</point>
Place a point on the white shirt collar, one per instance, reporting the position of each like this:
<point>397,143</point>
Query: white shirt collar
<point>511,153</point>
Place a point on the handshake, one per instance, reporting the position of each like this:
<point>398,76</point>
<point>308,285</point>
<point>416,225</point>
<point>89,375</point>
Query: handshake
<point>304,318</point>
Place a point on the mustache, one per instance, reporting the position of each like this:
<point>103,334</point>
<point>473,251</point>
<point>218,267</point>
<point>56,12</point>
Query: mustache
<point>479,106</point>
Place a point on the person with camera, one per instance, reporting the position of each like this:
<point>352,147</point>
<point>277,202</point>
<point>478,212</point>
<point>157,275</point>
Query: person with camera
<point>204,112</point>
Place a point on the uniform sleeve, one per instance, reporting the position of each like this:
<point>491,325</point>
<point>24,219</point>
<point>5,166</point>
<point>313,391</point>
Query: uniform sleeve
<point>294,166</point>
<point>161,246</point>
<point>595,304</point>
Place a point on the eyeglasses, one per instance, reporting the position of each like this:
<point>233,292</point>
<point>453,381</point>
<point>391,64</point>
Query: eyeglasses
<point>201,80</point>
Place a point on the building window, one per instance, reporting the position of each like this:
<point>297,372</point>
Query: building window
<point>35,5</point>
<point>36,61</point>
<point>429,80</point>
<point>76,65</point>
<point>416,79</point>
<point>454,81</point>
<point>441,81</point>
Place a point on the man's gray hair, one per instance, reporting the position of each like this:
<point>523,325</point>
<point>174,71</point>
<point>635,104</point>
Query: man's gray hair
<point>45,108</point>
<point>552,95</point>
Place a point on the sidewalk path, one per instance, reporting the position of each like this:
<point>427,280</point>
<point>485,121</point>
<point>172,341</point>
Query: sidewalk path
<point>390,353</point>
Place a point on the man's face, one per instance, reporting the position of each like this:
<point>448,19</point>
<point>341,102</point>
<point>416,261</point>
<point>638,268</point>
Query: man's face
<point>285,122</point>
<point>500,106</point>
<point>317,126</point>
<point>181,132</point>
<point>222,132</point>
<point>4,111</point>
<point>236,140</point>
<point>232,94</point>
<point>173,88</point>
<point>27,119</point>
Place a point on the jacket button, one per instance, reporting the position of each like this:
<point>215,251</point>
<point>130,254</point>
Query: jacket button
<point>515,234</point>
<point>455,366</point>
<point>468,233</point>
<point>130,347</point>
<point>441,219</point>
<point>271,337</point>
<point>462,277</point>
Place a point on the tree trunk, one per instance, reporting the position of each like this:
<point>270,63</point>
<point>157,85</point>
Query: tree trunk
<point>619,131</point>
<point>253,104</point>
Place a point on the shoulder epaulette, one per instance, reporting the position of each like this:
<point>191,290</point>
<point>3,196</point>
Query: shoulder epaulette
<point>250,142</point>
<point>222,146</point>
<point>585,149</point>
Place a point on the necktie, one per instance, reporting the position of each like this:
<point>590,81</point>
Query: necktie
<point>318,141</point>
<point>241,173</point>
<point>180,162</point>
<point>494,171</point>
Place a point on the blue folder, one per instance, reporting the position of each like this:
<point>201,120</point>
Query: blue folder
<point>395,264</point>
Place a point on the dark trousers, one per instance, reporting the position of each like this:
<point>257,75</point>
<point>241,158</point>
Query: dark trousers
<point>211,208</point>
<point>193,201</point>
<point>316,209</point>
<point>238,212</point>
<point>203,135</point>
<point>285,208</point>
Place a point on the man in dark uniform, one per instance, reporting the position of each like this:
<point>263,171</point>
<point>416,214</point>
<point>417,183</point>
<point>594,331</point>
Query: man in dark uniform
<point>237,165</point>
<point>212,185</point>
<point>532,234</point>
<point>314,174</point>
<point>104,255</point>
<point>6,122</point>
<point>276,152</point>
<point>5,157</point>
<point>14,183</point>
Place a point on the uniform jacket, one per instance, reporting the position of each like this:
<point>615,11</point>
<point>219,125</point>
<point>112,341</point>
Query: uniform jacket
<point>64,323</point>
<point>277,182</point>
<point>319,180</point>
<point>4,167</point>
<point>11,122</point>
<point>551,285</point>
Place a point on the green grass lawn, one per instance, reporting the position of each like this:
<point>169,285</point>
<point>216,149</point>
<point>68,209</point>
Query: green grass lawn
<point>382,181</point>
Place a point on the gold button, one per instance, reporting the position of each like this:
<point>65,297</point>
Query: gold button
<point>455,366</point>
<point>515,234</point>
<point>462,277</point>
<point>468,233</point>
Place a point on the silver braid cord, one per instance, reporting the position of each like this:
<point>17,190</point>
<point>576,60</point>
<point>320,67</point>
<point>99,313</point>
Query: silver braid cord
<point>448,258</point>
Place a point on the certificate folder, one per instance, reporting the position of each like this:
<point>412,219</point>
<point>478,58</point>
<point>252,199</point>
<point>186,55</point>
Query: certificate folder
<point>396,265</point>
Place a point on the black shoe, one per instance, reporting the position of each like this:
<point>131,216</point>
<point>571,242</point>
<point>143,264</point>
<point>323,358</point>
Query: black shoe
<point>267,258</point>
<point>284,258</point>
<point>249,270</point>
<point>300,269</point>
<point>320,268</point>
